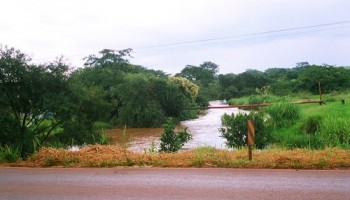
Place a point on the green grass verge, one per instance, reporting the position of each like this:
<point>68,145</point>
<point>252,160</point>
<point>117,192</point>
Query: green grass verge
<point>318,127</point>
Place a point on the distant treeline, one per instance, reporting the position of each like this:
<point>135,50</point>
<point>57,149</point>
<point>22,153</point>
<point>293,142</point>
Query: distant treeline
<point>278,81</point>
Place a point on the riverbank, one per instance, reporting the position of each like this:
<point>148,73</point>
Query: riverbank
<point>115,156</point>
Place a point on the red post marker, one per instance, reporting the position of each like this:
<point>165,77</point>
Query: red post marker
<point>251,136</point>
<point>251,132</point>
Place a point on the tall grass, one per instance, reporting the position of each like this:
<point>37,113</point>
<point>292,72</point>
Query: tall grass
<point>283,114</point>
<point>335,131</point>
<point>258,99</point>
<point>311,124</point>
<point>9,154</point>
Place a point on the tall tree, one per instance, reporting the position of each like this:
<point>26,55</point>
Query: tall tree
<point>30,95</point>
<point>108,57</point>
<point>41,102</point>
<point>204,74</point>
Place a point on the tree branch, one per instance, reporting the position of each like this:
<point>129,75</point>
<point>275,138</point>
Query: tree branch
<point>53,126</point>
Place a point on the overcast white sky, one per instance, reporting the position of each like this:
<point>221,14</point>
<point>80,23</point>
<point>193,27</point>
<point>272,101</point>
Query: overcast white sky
<point>45,29</point>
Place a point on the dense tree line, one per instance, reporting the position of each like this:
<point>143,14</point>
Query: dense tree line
<point>51,103</point>
<point>279,81</point>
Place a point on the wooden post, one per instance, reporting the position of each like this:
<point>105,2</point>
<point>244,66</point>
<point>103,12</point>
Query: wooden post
<point>250,152</point>
<point>251,135</point>
<point>320,91</point>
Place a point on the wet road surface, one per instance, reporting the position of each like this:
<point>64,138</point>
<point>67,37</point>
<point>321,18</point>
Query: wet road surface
<point>154,183</point>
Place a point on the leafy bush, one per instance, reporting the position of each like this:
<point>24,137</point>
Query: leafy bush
<point>172,141</point>
<point>283,114</point>
<point>235,129</point>
<point>187,114</point>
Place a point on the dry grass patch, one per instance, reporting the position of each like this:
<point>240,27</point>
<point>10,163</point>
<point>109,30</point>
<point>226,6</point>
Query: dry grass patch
<point>112,156</point>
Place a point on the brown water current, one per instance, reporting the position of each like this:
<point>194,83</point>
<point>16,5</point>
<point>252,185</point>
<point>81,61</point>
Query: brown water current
<point>204,129</point>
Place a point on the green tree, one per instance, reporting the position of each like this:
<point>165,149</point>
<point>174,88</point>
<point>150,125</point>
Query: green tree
<point>31,95</point>
<point>108,57</point>
<point>139,107</point>
<point>111,70</point>
<point>42,103</point>
<point>186,97</point>
<point>248,81</point>
<point>82,107</point>
<point>146,100</point>
<point>332,78</point>
<point>174,94</point>
<point>204,74</point>
<point>210,67</point>
<point>227,86</point>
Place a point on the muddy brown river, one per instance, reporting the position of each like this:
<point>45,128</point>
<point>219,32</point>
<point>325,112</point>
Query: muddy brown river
<point>205,131</point>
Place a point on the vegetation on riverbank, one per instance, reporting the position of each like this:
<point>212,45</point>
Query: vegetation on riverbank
<point>115,156</point>
<point>52,105</point>
<point>316,127</point>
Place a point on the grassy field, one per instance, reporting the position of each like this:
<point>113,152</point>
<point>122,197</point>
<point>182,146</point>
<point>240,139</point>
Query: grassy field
<point>318,127</point>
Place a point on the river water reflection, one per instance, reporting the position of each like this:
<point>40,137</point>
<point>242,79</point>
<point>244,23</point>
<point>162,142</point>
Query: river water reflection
<point>205,130</point>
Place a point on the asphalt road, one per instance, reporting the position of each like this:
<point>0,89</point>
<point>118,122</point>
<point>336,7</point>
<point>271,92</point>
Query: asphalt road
<point>154,183</point>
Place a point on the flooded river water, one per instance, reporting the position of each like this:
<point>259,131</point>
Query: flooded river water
<point>205,131</point>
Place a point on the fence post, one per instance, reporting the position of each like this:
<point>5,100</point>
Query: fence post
<point>251,136</point>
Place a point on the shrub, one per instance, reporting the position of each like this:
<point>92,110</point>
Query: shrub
<point>172,141</point>
<point>283,114</point>
<point>235,129</point>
